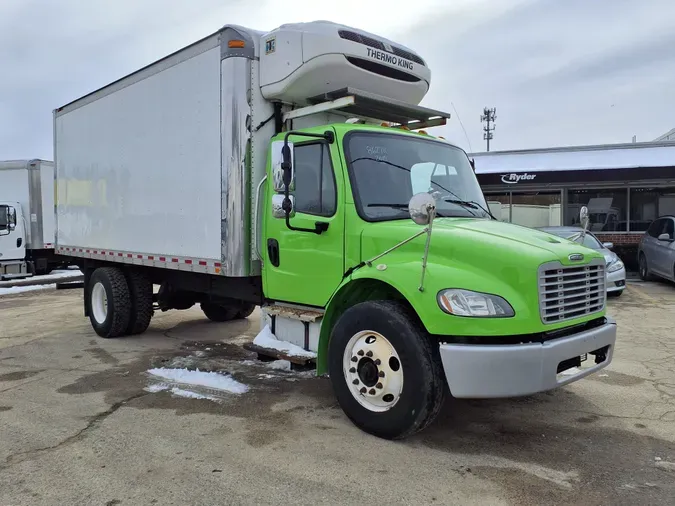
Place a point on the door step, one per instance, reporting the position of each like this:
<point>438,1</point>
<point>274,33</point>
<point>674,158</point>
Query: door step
<point>288,333</point>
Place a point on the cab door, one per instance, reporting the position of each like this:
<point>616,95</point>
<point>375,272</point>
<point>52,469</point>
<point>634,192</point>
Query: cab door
<point>300,266</point>
<point>12,233</point>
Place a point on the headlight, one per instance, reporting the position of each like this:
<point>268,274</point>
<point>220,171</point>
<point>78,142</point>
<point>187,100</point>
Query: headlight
<point>466,303</point>
<point>616,266</point>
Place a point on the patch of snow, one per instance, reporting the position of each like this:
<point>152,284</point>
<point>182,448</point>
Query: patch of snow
<point>280,365</point>
<point>157,387</point>
<point>180,392</point>
<point>21,289</point>
<point>266,376</point>
<point>658,459</point>
<point>266,339</point>
<point>603,375</point>
<point>213,380</point>
<point>571,372</point>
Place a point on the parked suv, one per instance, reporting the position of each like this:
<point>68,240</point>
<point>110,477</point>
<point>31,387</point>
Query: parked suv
<point>656,254</point>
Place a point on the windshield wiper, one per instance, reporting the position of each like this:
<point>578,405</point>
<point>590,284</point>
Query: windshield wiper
<point>470,204</point>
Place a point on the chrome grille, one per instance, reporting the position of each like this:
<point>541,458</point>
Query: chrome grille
<point>567,292</point>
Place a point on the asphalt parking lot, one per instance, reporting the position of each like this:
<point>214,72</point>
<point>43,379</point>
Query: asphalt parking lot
<point>79,426</point>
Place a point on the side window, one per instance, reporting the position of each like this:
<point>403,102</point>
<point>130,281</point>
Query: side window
<point>4,217</point>
<point>315,191</point>
<point>669,228</point>
<point>655,228</point>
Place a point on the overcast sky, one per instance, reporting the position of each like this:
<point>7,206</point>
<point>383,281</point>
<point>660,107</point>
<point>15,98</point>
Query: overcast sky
<point>559,72</point>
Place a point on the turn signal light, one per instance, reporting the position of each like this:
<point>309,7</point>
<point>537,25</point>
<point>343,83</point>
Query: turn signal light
<point>236,43</point>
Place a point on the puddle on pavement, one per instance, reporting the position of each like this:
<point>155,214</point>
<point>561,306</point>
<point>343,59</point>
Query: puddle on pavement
<point>18,375</point>
<point>268,386</point>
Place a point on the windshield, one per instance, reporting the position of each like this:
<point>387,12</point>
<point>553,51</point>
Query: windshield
<point>386,170</point>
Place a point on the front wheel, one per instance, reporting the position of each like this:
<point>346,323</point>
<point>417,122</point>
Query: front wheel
<point>645,275</point>
<point>385,370</point>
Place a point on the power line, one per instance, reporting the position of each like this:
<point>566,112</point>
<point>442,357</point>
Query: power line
<point>488,117</point>
<point>462,125</point>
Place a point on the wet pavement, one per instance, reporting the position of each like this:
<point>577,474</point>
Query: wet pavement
<point>79,426</point>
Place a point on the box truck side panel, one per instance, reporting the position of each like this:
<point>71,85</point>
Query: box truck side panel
<point>139,168</point>
<point>47,197</point>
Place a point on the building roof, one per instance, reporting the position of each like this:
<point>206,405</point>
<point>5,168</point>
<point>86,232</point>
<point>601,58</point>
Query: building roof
<point>599,157</point>
<point>668,136</point>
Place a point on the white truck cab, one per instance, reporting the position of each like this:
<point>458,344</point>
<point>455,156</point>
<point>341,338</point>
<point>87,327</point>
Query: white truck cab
<point>27,220</point>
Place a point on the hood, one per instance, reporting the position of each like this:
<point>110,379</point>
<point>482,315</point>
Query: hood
<point>477,237</point>
<point>475,244</point>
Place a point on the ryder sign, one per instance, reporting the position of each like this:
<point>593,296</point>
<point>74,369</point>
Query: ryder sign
<point>517,178</point>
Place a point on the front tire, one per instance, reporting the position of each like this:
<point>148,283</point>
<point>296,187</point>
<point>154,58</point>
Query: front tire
<point>643,268</point>
<point>385,370</point>
<point>109,302</point>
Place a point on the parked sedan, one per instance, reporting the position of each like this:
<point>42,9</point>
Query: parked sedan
<point>656,254</point>
<point>616,272</point>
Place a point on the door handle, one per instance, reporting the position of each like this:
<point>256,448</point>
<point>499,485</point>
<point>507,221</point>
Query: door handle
<point>273,251</point>
<point>19,242</point>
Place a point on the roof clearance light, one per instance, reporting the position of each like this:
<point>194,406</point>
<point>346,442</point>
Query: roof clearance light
<point>236,43</point>
<point>423,132</point>
<point>385,124</point>
<point>403,127</point>
<point>441,137</point>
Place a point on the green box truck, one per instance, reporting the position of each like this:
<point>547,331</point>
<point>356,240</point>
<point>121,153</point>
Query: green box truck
<point>292,170</point>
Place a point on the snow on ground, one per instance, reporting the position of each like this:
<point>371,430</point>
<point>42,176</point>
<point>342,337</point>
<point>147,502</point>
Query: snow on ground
<point>20,289</point>
<point>280,365</point>
<point>213,380</point>
<point>266,339</point>
<point>180,392</point>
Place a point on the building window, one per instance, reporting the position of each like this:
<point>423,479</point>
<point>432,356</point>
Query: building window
<point>499,205</point>
<point>536,209</point>
<point>648,204</point>
<point>606,209</point>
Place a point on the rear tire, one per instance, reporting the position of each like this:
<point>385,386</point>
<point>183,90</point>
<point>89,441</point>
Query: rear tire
<point>109,302</point>
<point>217,313</point>
<point>140,291</point>
<point>245,311</point>
<point>410,393</point>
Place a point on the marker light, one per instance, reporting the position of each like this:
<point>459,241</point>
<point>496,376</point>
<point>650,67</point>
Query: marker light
<point>236,43</point>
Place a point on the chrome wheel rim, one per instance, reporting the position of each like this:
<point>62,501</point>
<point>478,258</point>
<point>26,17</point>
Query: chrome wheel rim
<point>373,371</point>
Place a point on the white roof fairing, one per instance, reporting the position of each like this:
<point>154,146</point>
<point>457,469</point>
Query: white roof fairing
<point>604,157</point>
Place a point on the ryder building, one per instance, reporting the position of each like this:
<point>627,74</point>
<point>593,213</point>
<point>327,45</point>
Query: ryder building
<point>624,186</point>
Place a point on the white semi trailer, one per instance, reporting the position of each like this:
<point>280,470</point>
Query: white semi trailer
<point>27,222</point>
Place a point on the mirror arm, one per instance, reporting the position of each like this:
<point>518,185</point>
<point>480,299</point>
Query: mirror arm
<point>328,136</point>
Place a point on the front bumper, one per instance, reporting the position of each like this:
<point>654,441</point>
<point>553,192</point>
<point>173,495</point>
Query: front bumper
<point>490,371</point>
<point>616,281</point>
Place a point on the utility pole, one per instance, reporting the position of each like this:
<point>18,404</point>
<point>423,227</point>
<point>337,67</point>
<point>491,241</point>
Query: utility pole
<point>489,116</point>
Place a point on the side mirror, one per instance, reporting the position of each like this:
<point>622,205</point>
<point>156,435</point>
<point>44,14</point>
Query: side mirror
<point>608,245</point>
<point>583,217</point>
<point>422,208</point>
<point>278,210</point>
<point>11,218</point>
<point>664,237</point>
<point>282,166</point>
